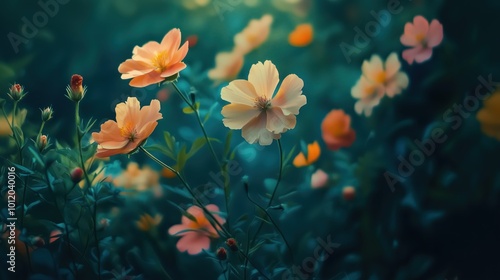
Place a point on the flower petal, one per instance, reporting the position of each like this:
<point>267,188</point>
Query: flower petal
<point>423,55</point>
<point>264,78</point>
<point>193,243</point>
<point>421,25</point>
<point>409,37</point>
<point>171,42</point>
<point>238,115</point>
<point>372,67</point>
<point>149,113</point>
<point>240,92</point>
<point>173,69</point>
<point>128,112</point>
<point>133,68</point>
<point>147,79</point>
<point>435,35</point>
<point>289,97</point>
<point>392,65</point>
<point>256,130</point>
<point>277,122</point>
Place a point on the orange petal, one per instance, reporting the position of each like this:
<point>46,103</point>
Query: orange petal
<point>302,35</point>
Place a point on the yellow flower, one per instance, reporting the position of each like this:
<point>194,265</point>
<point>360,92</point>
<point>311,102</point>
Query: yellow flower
<point>489,116</point>
<point>147,223</point>
<point>4,123</point>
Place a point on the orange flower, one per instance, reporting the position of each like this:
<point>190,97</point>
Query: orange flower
<point>313,153</point>
<point>261,116</point>
<point>254,35</point>
<point>227,66</point>
<point>6,122</point>
<point>302,35</point>
<point>489,116</point>
<point>155,62</point>
<point>132,127</point>
<point>147,223</point>
<point>336,130</point>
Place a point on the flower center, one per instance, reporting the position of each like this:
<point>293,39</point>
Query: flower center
<point>420,37</point>
<point>262,103</point>
<point>128,131</point>
<point>380,77</point>
<point>159,61</point>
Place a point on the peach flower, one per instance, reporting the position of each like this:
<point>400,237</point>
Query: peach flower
<point>313,153</point>
<point>132,127</point>
<point>319,179</point>
<point>489,116</point>
<point>302,35</point>
<point>254,35</point>
<point>5,123</point>
<point>155,62</point>
<point>196,234</point>
<point>261,116</point>
<point>227,66</point>
<point>422,37</point>
<point>136,179</point>
<point>336,130</point>
<point>378,79</point>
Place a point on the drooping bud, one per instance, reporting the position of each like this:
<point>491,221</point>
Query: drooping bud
<point>16,92</point>
<point>41,142</point>
<point>75,90</point>
<point>76,175</point>
<point>232,244</point>
<point>47,114</point>
<point>348,193</point>
<point>221,254</point>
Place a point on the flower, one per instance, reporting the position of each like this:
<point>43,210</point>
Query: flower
<point>147,223</point>
<point>489,116</point>
<point>155,62</point>
<point>221,254</point>
<point>16,92</point>
<point>336,130</point>
<point>41,142</point>
<point>378,79</point>
<point>196,233</point>
<point>75,90</point>
<point>319,179</point>
<point>139,179</point>
<point>232,244</point>
<point>301,36</point>
<point>261,116</point>
<point>255,34</point>
<point>313,153</point>
<point>227,66</point>
<point>76,175</point>
<point>6,122</point>
<point>422,37</point>
<point>54,235</point>
<point>132,127</point>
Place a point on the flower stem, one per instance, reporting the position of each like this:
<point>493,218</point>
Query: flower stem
<point>41,130</point>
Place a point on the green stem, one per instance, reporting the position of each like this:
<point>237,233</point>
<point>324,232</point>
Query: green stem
<point>41,130</point>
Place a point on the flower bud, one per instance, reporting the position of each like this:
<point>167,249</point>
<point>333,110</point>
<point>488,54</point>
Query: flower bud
<point>232,244</point>
<point>76,175</point>
<point>75,90</point>
<point>16,92</point>
<point>41,142</point>
<point>221,254</point>
<point>47,114</point>
<point>348,193</point>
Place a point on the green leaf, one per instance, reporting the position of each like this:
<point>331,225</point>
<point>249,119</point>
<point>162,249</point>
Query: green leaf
<point>198,144</point>
<point>182,158</point>
<point>189,110</point>
<point>227,144</point>
<point>256,247</point>
<point>170,141</point>
<point>289,156</point>
<point>36,156</point>
<point>210,112</point>
<point>163,150</point>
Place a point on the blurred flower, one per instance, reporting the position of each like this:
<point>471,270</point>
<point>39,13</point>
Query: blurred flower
<point>132,127</point>
<point>54,235</point>
<point>378,79</point>
<point>336,130</point>
<point>227,66</point>
<point>348,193</point>
<point>16,92</point>
<point>76,175</point>
<point>155,62</point>
<point>221,254</point>
<point>147,223</point>
<point>254,34</point>
<point>192,40</point>
<point>196,234</point>
<point>232,244</point>
<point>75,90</point>
<point>163,95</point>
<point>167,173</point>
<point>5,123</point>
<point>47,114</point>
<point>138,179</point>
<point>301,36</point>
<point>422,37</point>
<point>313,153</point>
<point>319,179</point>
<point>261,116</point>
<point>489,116</point>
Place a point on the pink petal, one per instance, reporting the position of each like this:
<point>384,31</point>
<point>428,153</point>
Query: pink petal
<point>435,35</point>
<point>410,54</point>
<point>181,53</point>
<point>289,97</point>
<point>173,230</point>
<point>409,38</point>
<point>423,55</point>
<point>421,25</point>
<point>264,78</point>
<point>147,79</point>
<point>193,243</point>
<point>319,179</point>
<point>171,42</point>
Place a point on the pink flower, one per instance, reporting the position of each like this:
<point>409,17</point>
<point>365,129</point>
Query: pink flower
<point>422,37</point>
<point>319,179</point>
<point>196,234</point>
<point>261,114</point>
<point>155,62</point>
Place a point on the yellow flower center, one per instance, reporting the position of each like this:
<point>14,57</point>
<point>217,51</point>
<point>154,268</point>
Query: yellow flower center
<point>159,61</point>
<point>380,77</point>
<point>420,37</point>
<point>262,103</point>
<point>128,131</point>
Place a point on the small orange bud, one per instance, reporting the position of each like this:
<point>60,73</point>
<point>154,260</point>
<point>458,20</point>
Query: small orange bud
<point>76,175</point>
<point>42,142</point>
<point>232,244</point>
<point>221,254</point>
<point>348,193</point>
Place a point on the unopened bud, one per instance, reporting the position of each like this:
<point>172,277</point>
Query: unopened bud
<point>47,114</point>
<point>76,90</point>
<point>221,254</point>
<point>76,175</point>
<point>16,92</point>
<point>232,244</point>
<point>41,142</point>
<point>348,193</point>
